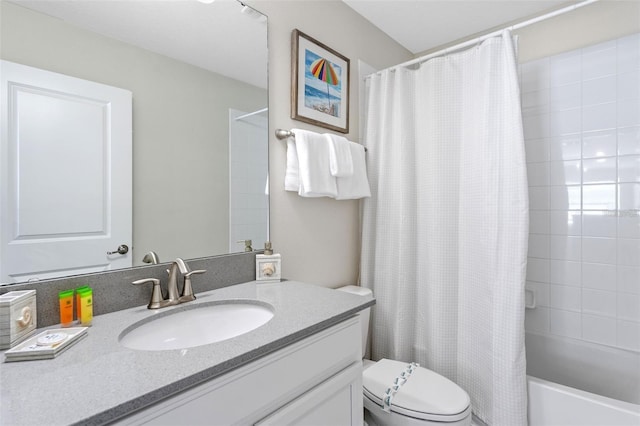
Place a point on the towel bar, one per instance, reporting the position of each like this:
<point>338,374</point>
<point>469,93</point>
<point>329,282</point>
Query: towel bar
<point>284,134</point>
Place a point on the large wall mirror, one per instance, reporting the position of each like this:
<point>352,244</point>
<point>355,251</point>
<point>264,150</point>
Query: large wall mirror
<point>183,83</point>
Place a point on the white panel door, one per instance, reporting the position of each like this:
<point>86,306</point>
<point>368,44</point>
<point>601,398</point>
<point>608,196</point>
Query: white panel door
<point>65,175</point>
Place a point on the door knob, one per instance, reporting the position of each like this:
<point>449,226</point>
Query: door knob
<point>122,249</point>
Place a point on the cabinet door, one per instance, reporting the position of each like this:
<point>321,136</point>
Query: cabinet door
<point>332,402</point>
<point>260,388</point>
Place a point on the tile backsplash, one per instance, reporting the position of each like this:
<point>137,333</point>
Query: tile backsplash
<point>581,116</point>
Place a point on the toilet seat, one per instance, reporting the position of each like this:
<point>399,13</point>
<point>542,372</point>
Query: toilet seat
<point>426,395</point>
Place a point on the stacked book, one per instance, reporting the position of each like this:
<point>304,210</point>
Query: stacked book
<point>46,345</point>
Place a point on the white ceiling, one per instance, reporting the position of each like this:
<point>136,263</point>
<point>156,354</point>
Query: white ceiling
<point>221,36</point>
<point>218,37</point>
<point>421,25</point>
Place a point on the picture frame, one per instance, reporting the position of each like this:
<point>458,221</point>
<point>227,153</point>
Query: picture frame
<point>320,84</point>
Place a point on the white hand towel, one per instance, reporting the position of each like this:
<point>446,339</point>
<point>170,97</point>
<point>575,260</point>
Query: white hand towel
<point>340,162</point>
<point>356,186</point>
<point>291,176</point>
<point>313,165</point>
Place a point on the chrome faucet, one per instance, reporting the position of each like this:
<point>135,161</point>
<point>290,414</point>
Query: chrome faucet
<point>151,257</point>
<point>173,298</point>
<point>178,266</point>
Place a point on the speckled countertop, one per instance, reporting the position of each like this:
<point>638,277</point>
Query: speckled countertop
<point>98,380</point>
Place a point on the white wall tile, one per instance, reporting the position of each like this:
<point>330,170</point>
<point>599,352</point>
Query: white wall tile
<point>599,197</point>
<point>599,170</point>
<point>538,270</point>
<point>565,172</point>
<point>238,185</point>
<point>629,168</point>
<point>537,320</point>
<point>599,47</point>
<point>599,302</point>
<point>565,197</point>
<point>564,248</point>
<point>535,126</point>
<point>628,112</point>
<point>629,252</point>
<point>598,63</point>
<point>599,117</point>
<point>566,147</point>
<point>599,224</point>
<point>628,53</point>
<point>599,329</point>
<point>628,226</point>
<point>629,141</point>
<point>599,250</point>
<point>534,75</point>
<point>565,97</point>
<point>629,196</point>
<point>538,174</point>
<point>536,102</point>
<point>629,307</point>
<point>539,222</point>
<point>599,276</point>
<point>628,278</point>
<point>565,272</point>
<point>565,323</point>
<point>539,198</point>
<point>628,335</point>
<point>536,150</point>
<point>628,85</point>
<point>582,130</point>
<point>541,291</point>
<point>539,246</point>
<point>599,144</point>
<point>567,298</point>
<point>565,68</point>
<point>238,200</point>
<point>599,90</point>
<point>565,222</point>
<point>568,121</point>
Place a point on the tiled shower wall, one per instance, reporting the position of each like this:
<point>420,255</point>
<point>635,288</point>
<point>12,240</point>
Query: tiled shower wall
<point>248,170</point>
<point>581,112</point>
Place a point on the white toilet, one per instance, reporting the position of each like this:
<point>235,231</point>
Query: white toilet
<point>423,397</point>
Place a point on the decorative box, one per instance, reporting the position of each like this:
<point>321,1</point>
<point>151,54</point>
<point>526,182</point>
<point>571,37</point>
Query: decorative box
<point>18,317</point>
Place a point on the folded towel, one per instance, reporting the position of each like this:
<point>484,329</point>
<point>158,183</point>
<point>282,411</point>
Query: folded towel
<point>291,177</point>
<point>313,165</point>
<point>340,162</point>
<point>356,186</point>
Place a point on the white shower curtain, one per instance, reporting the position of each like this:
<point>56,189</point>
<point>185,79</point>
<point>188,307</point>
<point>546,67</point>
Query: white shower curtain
<point>445,231</point>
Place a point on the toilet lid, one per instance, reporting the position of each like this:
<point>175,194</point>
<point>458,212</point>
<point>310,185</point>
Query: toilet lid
<point>425,394</point>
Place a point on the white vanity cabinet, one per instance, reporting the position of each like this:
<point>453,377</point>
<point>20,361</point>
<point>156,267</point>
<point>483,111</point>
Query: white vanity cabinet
<point>315,381</point>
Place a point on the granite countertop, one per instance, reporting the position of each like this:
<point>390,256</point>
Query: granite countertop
<point>98,380</point>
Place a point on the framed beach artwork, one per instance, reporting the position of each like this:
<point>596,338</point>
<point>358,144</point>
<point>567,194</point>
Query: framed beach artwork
<point>320,86</point>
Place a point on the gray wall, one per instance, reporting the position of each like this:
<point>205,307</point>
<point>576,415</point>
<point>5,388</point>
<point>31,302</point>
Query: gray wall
<point>180,122</point>
<point>591,24</point>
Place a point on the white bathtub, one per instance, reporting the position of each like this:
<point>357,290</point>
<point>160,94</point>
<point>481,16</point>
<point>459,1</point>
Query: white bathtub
<point>551,404</point>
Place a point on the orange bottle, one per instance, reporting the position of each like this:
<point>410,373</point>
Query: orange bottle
<point>66,308</point>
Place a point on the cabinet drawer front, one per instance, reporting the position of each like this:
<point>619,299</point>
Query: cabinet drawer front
<point>251,392</point>
<point>329,403</point>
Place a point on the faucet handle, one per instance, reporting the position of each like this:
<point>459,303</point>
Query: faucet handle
<point>187,290</point>
<point>156,293</point>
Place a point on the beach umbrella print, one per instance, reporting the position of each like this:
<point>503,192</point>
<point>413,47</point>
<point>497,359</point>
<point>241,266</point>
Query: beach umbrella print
<point>323,70</point>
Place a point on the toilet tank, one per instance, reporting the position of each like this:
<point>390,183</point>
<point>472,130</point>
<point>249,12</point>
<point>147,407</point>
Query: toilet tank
<point>364,314</point>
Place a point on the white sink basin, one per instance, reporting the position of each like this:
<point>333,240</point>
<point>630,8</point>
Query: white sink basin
<point>195,326</point>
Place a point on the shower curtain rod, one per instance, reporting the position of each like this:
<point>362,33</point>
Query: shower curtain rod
<point>478,39</point>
